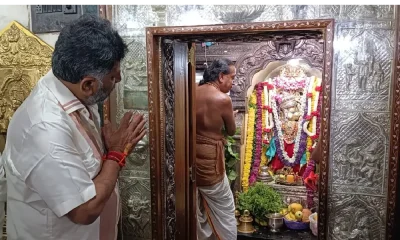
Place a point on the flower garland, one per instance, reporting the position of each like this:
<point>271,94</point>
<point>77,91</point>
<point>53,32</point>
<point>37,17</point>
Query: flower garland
<point>312,109</point>
<point>300,141</point>
<point>265,137</point>
<point>290,84</point>
<point>268,123</point>
<point>249,142</point>
<point>310,124</point>
<point>315,98</point>
<point>258,137</point>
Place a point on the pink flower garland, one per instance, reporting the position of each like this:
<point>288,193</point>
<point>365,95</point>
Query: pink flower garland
<point>290,84</point>
<point>259,131</point>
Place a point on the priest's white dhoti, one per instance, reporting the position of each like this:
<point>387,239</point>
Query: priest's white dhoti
<point>216,212</point>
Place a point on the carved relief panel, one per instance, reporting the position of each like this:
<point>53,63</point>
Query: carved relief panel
<point>364,61</point>
<point>359,153</point>
<point>132,91</point>
<point>24,59</point>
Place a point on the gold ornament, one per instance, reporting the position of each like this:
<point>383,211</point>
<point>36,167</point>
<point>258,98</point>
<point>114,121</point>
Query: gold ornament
<point>24,59</point>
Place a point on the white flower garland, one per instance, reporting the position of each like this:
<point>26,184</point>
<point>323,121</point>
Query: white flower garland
<point>311,89</point>
<point>278,125</point>
<point>269,123</point>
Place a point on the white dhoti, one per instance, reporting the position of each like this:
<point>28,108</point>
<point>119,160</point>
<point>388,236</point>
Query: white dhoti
<point>216,212</point>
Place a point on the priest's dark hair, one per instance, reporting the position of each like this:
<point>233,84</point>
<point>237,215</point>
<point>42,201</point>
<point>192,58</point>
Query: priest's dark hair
<point>218,66</point>
<point>88,46</point>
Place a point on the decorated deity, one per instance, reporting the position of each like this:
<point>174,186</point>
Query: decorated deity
<point>283,125</point>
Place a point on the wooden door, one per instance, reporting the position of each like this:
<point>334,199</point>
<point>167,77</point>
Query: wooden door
<point>185,139</point>
<point>192,143</point>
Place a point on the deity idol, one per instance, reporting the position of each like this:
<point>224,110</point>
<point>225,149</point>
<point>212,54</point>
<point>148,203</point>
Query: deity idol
<point>283,124</point>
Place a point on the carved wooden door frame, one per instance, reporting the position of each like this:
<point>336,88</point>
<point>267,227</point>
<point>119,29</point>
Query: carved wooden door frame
<point>393,161</point>
<point>157,111</point>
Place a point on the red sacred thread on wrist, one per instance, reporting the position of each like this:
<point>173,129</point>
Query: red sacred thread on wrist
<point>116,156</point>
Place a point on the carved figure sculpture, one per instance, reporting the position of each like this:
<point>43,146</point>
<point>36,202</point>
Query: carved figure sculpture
<point>371,163</point>
<point>365,61</point>
<point>350,72</point>
<point>378,76</point>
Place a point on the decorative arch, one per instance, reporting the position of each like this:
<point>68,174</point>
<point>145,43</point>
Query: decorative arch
<point>310,50</point>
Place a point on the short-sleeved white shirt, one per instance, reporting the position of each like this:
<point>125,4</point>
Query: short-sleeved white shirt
<point>49,166</point>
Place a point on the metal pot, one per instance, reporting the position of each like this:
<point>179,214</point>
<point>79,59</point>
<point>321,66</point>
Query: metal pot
<point>275,221</point>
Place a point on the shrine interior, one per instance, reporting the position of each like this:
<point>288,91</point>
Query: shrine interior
<point>285,94</point>
<point>306,76</point>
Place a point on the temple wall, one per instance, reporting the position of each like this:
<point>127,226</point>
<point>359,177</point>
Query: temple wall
<point>359,118</point>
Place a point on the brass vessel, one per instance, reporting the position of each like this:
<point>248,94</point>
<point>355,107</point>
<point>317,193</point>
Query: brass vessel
<point>264,175</point>
<point>246,223</point>
<point>237,215</point>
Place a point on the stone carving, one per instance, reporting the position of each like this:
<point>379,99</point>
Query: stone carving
<point>359,155</point>
<point>309,50</point>
<point>24,59</point>
<point>357,217</point>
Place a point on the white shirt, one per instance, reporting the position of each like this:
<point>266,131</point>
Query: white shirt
<point>49,166</point>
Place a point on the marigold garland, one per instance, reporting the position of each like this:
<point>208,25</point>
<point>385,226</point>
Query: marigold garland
<point>249,142</point>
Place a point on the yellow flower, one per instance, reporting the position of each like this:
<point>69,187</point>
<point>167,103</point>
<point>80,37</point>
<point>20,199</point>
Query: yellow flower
<point>253,98</point>
<point>249,146</point>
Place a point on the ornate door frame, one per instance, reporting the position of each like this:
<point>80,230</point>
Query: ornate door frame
<point>157,113</point>
<point>393,161</point>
